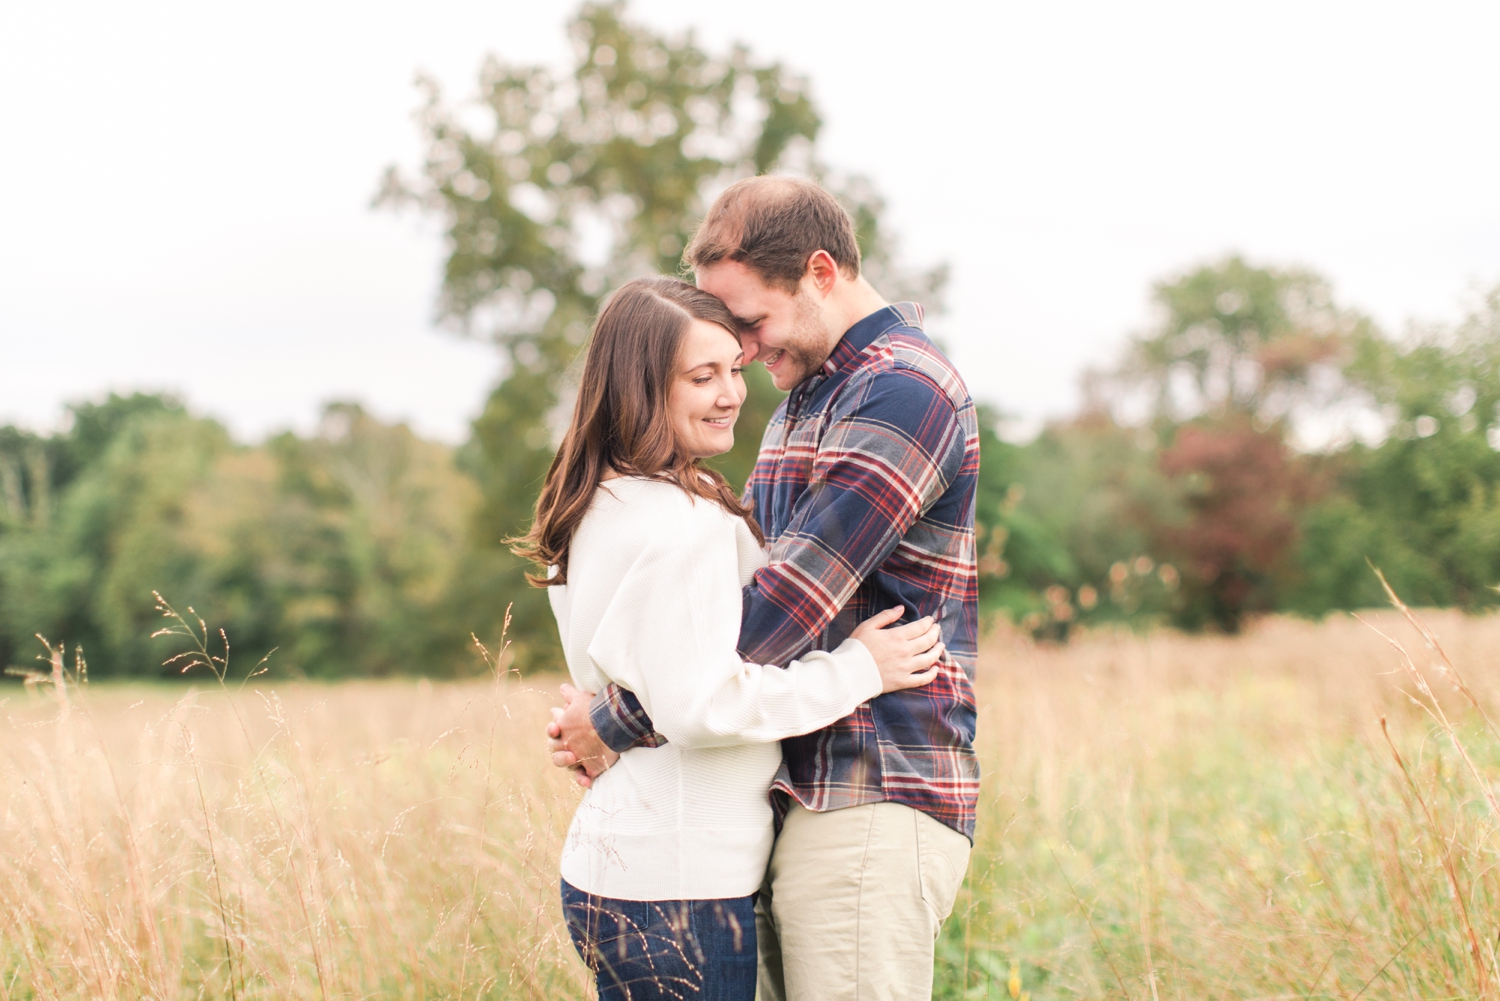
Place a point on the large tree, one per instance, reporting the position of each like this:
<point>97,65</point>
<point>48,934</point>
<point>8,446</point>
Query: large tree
<point>1424,504</point>
<point>573,182</point>
<point>1235,340</point>
<point>1237,357</point>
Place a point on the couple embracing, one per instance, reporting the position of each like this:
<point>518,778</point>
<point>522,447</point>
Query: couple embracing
<point>780,753</point>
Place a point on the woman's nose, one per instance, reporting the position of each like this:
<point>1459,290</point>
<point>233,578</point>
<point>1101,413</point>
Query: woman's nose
<point>729,395</point>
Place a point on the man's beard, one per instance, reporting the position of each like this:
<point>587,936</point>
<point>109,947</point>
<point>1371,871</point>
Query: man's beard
<point>809,343</point>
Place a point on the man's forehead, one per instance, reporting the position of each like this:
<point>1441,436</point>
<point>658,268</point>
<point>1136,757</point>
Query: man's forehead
<point>740,287</point>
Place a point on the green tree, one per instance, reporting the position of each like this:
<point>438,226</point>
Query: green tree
<point>343,549</point>
<point>1237,355</point>
<point>578,182</point>
<point>1424,505</point>
<point>1233,339</point>
<point>1063,525</point>
<point>103,507</point>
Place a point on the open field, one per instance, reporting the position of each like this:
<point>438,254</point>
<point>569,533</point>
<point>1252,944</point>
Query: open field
<point>1162,817</point>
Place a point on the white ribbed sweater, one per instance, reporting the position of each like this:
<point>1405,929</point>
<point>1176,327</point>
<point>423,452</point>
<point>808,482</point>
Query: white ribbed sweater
<point>653,604</point>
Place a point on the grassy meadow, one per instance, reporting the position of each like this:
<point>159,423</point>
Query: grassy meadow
<point>1163,816</point>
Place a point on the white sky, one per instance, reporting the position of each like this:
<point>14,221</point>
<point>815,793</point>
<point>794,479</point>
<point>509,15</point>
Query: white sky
<point>184,187</point>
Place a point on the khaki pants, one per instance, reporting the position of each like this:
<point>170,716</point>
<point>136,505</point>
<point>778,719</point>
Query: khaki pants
<point>853,902</point>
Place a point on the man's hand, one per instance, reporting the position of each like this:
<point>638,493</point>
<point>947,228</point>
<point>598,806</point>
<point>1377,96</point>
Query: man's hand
<point>572,740</point>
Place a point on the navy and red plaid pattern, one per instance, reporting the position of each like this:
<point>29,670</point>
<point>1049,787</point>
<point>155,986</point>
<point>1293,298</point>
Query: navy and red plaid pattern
<point>865,489</point>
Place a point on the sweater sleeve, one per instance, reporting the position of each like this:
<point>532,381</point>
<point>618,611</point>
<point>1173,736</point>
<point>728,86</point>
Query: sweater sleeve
<point>669,636</point>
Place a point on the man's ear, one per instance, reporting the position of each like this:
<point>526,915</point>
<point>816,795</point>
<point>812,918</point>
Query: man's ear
<point>822,270</point>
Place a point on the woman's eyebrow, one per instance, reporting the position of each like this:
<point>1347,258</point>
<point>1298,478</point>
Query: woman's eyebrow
<point>712,364</point>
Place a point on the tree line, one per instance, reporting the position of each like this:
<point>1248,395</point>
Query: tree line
<point>1259,449</point>
<point>1183,492</point>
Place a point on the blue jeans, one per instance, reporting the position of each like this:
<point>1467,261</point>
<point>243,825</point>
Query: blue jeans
<point>682,950</point>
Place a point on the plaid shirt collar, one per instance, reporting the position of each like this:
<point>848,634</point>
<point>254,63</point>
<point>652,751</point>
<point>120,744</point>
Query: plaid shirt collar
<point>860,336</point>
<point>850,349</point>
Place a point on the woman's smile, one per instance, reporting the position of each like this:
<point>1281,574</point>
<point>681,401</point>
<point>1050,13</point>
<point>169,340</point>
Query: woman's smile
<point>708,390</point>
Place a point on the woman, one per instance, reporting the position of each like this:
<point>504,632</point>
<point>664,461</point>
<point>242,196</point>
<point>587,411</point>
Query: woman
<point>647,551</point>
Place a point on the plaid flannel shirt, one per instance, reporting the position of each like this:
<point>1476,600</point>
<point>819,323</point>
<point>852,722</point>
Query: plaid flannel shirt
<point>865,489</point>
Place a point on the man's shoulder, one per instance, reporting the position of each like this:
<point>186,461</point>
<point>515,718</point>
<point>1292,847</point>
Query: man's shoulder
<point>914,354</point>
<point>904,369</point>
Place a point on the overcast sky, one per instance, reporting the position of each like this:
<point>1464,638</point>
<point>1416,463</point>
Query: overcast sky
<point>184,187</point>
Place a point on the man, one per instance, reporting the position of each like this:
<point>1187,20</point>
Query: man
<point>865,490</point>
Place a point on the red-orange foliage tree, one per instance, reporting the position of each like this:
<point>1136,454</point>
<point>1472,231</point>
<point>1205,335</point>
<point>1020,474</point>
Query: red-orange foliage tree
<point>1243,490</point>
<point>1238,352</point>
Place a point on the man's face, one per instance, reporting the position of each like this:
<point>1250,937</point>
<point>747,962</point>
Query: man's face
<point>784,331</point>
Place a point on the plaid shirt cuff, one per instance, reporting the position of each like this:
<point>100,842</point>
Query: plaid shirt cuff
<point>621,721</point>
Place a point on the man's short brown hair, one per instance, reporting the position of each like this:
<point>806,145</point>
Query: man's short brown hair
<point>773,225</point>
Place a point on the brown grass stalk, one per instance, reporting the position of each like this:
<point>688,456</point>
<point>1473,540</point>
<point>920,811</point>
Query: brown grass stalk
<point>213,861</point>
<point>1445,847</point>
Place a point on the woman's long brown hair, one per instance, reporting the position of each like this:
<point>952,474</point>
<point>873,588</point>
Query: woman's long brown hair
<point>620,420</point>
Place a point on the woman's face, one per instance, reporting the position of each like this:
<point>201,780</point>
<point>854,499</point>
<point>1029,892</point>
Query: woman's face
<point>707,389</point>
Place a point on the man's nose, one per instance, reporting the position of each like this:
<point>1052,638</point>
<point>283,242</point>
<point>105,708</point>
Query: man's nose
<point>751,345</point>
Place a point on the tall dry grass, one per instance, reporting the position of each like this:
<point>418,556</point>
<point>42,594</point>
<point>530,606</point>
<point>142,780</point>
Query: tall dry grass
<point>1295,813</point>
<point>281,841</point>
<point>1162,817</point>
